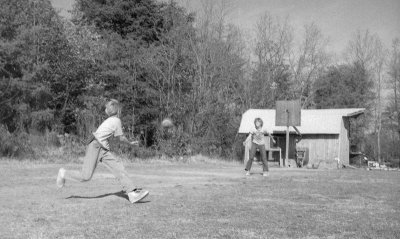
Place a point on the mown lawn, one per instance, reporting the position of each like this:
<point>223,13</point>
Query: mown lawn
<point>200,200</point>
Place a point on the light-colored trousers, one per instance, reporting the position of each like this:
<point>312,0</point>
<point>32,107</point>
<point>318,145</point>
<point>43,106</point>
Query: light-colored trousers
<point>94,154</point>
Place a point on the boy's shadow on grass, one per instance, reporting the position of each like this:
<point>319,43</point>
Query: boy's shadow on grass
<point>121,194</point>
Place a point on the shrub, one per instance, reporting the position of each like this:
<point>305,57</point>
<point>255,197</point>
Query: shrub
<point>238,148</point>
<point>43,119</point>
<point>14,145</point>
<point>144,153</point>
<point>174,142</point>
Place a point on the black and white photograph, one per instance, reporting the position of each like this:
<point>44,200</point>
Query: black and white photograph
<point>170,119</point>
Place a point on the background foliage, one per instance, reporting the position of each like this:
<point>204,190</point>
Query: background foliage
<point>161,61</point>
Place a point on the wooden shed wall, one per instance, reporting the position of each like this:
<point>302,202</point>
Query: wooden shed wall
<point>344,142</point>
<point>320,146</point>
<point>281,142</point>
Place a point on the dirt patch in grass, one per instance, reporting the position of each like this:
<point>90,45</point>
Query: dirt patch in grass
<point>200,200</point>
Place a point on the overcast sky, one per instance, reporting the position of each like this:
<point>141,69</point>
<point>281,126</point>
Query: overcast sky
<point>338,19</point>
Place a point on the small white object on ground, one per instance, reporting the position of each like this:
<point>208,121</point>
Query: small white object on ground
<point>167,123</point>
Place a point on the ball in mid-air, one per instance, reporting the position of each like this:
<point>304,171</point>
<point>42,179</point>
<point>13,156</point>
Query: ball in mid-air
<point>167,123</point>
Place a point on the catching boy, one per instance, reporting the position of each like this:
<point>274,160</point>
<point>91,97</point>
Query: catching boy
<point>98,150</point>
<point>258,142</point>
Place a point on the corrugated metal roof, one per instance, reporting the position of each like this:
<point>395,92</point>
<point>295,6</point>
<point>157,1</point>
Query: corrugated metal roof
<point>321,121</point>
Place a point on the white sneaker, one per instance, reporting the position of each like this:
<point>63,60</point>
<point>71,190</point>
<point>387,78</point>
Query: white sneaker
<point>265,174</point>
<point>137,196</point>
<point>248,173</point>
<point>61,178</point>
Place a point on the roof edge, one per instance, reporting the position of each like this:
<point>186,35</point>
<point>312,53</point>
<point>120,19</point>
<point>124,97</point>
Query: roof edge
<point>356,114</point>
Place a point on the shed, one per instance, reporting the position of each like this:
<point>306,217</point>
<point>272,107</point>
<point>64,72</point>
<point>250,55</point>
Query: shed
<point>325,132</point>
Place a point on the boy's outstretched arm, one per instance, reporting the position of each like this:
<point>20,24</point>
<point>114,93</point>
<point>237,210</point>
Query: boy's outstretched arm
<point>270,135</point>
<point>123,139</point>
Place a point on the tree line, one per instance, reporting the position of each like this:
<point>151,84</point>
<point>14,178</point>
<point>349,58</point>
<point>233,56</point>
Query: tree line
<point>162,61</point>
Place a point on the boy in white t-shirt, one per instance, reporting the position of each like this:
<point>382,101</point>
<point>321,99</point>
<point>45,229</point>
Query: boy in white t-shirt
<point>258,142</point>
<point>98,150</point>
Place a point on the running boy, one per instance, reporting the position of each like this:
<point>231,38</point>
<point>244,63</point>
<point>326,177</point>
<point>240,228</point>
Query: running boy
<point>98,150</point>
<point>258,142</point>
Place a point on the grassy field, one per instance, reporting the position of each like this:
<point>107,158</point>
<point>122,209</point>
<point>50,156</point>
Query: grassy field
<point>200,200</point>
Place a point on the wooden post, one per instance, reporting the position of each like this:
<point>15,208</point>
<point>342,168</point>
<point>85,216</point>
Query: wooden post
<point>288,113</point>
<point>280,159</point>
<point>287,139</point>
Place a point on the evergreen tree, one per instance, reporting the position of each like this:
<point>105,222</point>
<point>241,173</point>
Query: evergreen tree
<point>344,86</point>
